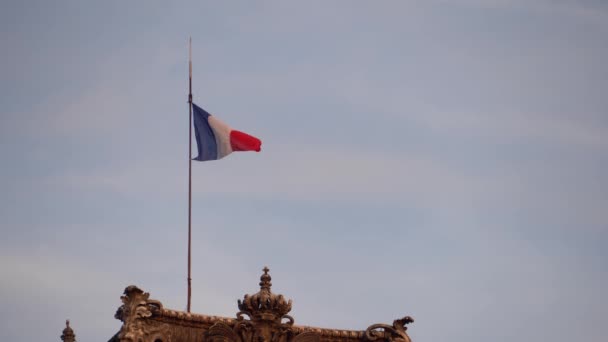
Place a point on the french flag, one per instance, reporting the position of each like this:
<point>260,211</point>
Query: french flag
<point>215,139</point>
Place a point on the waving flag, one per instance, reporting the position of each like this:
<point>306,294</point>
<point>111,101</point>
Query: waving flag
<point>215,139</point>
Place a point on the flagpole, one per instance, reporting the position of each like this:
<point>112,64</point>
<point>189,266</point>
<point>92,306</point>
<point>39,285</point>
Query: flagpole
<point>189,171</point>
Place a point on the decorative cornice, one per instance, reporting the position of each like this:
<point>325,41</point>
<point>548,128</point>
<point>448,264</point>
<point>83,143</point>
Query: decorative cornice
<point>263,317</point>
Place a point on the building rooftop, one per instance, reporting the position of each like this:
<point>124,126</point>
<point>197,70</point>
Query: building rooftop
<point>262,317</point>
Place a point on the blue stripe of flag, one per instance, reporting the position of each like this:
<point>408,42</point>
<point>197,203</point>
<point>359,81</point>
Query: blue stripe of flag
<point>205,138</point>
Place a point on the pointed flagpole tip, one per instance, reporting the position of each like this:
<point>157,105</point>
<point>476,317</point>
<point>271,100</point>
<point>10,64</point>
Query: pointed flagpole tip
<point>190,62</point>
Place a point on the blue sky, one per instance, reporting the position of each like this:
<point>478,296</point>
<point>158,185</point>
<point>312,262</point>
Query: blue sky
<point>442,159</point>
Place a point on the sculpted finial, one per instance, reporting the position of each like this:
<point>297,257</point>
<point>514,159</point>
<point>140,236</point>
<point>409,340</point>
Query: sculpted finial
<point>265,305</point>
<point>265,279</point>
<point>68,334</point>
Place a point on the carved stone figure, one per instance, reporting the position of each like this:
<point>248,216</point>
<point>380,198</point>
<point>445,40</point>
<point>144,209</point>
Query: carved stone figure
<point>395,333</point>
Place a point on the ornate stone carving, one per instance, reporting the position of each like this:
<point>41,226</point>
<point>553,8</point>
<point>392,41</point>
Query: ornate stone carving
<point>265,305</point>
<point>263,317</point>
<point>394,333</point>
<point>135,308</point>
<point>68,334</point>
<point>221,332</point>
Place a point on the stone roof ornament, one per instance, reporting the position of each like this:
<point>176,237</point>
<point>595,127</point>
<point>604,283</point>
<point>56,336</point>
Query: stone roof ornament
<point>266,312</point>
<point>68,334</point>
<point>265,305</point>
<point>262,317</point>
<point>136,307</point>
<point>395,333</point>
